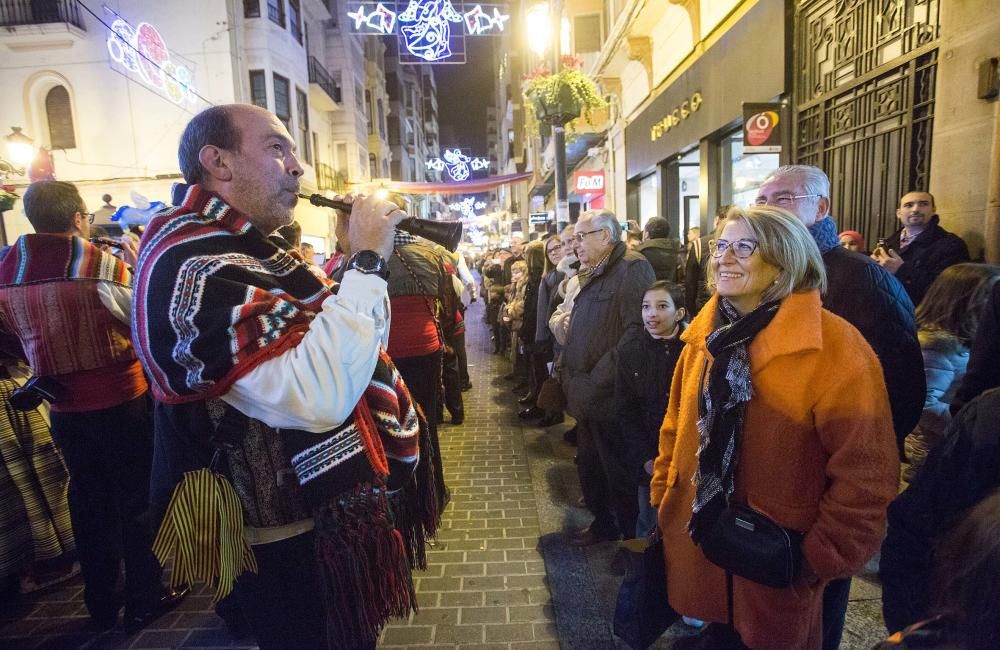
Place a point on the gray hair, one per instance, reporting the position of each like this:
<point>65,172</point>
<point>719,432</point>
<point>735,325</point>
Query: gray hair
<point>814,179</point>
<point>605,219</point>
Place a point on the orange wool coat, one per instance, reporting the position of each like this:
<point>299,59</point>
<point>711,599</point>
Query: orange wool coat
<point>818,454</point>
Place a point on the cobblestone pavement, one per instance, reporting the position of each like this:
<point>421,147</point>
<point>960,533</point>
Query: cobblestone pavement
<point>500,575</point>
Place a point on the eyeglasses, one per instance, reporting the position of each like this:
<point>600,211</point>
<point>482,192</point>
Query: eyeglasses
<point>742,248</point>
<point>580,235</point>
<point>89,215</point>
<point>782,201</point>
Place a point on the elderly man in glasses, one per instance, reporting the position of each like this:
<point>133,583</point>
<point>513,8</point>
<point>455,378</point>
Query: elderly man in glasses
<point>611,290</point>
<point>870,298</point>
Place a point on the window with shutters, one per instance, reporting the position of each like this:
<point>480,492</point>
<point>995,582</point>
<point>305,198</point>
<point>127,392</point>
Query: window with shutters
<point>283,101</point>
<point>587,35</point>
<point>302,112</point>
<point>251,8</point>
<point>258,88</point>
<point>295,19</point>
<point>59,114</point>
<point>276,12</point>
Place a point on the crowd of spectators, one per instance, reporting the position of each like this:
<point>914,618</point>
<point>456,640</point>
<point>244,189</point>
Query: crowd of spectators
<point>771,367</point>
<point>774,364</point>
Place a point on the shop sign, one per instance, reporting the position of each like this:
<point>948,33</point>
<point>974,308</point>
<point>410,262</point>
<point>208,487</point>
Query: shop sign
<point>762,126</point>
<point>675,117</point>
<point>588,183</point>
<point>539,217</point>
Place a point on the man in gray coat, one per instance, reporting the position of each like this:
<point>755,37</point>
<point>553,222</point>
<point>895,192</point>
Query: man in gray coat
<point>609,302</point>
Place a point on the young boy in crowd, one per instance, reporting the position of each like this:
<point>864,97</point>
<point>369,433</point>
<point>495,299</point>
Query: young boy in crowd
<point>646,360</point>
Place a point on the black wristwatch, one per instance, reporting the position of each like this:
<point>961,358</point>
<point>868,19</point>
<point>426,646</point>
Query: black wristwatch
<point>369,263</point>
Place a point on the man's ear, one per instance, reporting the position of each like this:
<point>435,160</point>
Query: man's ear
<point>213,161</point>
<point>823,207</point>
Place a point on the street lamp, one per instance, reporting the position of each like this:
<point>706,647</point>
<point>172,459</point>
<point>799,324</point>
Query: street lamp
<point>546,27</point>
<point>20,151</point>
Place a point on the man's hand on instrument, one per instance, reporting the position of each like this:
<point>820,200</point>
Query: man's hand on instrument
<point>372,224</point>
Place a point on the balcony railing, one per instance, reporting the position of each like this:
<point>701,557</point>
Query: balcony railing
<point>38,12</point>
<point>319,76</point>
<point>328,179</point>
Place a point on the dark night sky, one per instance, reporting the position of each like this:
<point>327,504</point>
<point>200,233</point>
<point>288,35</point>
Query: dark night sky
<point>464,92</point>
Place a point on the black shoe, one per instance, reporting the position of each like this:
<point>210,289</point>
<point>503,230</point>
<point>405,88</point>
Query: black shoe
<point>138,617</point>
<point>527,399</point>
<point>570,436</point>
<point>551,420</point>
<point>588,537</point>
<point>457,419</point>
<point>510,376</point>
<point>531,414</point>
<point>466,388</point>
<point>520,387</point>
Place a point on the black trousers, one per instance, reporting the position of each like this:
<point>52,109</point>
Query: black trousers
<point>458,342</point>
<point>422,376</point>
<point>283,601</point>
<point>108,454</point>
<point>452,383</point>
<point>608,489</point>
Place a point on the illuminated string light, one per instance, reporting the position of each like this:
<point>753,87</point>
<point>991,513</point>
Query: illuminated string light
<point>458,164</point>
<point>467,206</point>
<point>425,26</point>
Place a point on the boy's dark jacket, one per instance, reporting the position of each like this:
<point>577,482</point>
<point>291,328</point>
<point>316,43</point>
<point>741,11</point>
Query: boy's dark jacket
<point>642,386</point>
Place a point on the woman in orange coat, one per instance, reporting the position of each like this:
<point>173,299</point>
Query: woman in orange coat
<point>794,422</point>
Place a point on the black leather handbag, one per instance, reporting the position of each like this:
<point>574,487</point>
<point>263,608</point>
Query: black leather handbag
<point>749,544</point>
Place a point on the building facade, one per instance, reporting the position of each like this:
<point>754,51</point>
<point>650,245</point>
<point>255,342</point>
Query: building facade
<point>885,97</point>
<point>108,92</point>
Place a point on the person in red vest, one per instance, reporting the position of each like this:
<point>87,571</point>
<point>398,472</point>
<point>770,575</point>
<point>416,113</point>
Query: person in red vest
<point>69,303</point>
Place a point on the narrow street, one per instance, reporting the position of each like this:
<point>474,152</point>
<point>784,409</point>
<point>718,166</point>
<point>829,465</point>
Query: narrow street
<point>500,576</point>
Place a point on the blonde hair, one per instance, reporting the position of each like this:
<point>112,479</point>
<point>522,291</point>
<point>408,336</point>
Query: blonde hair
<point>782,241</point>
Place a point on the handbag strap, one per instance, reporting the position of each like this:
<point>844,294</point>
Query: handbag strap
<point>729,599</point>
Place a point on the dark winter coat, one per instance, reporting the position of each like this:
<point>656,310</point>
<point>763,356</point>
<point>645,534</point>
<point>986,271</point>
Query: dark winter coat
<point>662,253</point>
<point>642,387</point>
<point>983,371</point>
<point>604,309</point>
<point>933,250</point>
<point>872,300</point>
<point>958,473</point>
<point>529,322</point>
<point>546,290</point>
<point>696,292</point>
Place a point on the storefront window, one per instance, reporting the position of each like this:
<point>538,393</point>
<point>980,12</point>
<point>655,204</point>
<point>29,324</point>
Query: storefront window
<point>649,190</point>
<point>687,201</point>
<point>743,173</point>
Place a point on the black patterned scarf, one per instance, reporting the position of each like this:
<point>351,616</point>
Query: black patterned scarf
<point>720,411</point>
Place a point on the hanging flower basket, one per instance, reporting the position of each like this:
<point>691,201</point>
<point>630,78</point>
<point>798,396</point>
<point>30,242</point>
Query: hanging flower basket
<point>7,200</point>
<point>559,98</point>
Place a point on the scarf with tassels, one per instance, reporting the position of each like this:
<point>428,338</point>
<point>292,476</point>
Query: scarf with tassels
<point>720,411</point>
<point>207,281</point>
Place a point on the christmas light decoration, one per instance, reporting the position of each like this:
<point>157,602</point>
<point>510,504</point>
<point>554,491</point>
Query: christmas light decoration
<point>458,164</point>
<point>467,206</point>
<point>142,51</point>
<point>429,31</point>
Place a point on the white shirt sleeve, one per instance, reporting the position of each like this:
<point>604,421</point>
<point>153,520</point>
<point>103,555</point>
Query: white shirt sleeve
<point>117,299</point>
<point>315,385</point>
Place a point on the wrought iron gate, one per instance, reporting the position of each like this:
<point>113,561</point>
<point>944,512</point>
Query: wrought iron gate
<point>864,93</point>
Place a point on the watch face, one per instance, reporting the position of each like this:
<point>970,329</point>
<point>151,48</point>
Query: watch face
<point>368,260</point>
